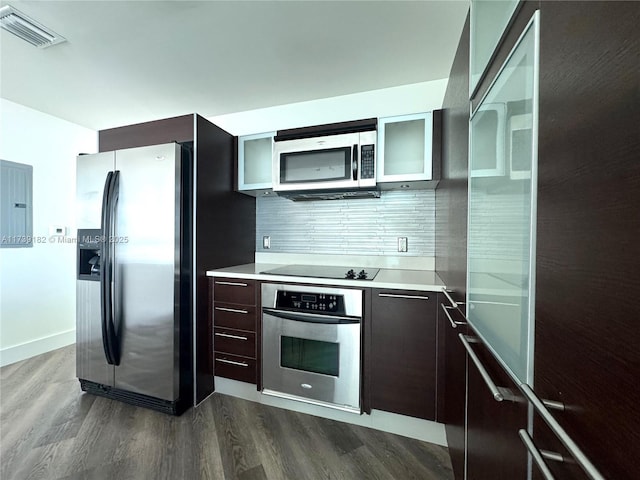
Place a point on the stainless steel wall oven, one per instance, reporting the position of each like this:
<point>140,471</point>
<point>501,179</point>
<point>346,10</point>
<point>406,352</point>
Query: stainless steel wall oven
<point>311,344</point>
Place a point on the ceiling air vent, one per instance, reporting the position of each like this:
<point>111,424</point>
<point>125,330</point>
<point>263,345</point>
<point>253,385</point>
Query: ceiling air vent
<point>27,29</point>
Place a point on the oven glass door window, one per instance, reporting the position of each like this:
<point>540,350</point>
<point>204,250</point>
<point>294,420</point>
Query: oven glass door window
<point>310,355</point>
<point>316,166</point>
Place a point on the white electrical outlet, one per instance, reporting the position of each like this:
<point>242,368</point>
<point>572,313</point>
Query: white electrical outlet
<point>402,244</point>
<point>266,242</point>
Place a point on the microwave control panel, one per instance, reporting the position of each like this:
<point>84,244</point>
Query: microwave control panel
<point>367,162</point>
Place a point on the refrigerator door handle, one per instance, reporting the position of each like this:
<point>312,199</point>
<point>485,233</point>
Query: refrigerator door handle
<point>110,319</point>
<point>105,280</point>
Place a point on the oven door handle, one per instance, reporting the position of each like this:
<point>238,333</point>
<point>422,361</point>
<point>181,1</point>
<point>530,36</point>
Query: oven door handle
<point>310,317</point>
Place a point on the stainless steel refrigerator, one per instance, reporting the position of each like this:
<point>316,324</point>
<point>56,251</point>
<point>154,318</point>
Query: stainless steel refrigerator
<point>134,284</point>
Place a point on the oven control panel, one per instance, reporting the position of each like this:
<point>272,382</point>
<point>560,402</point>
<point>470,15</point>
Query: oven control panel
<point>310,302</point>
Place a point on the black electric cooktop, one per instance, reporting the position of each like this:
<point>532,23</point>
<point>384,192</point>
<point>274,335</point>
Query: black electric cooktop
<point>325,271</point>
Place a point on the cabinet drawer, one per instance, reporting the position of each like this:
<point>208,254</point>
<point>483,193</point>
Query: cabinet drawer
<point>235,367</point>
<point>236,342</point>
<point>234,316</point>
<point>234,290</point>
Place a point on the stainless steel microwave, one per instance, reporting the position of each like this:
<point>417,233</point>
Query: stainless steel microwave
<point>341,161</point>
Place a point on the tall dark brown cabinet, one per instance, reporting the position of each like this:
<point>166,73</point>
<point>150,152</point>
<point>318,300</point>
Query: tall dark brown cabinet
<point>587,262</point>
<point>223,220</point>
<point>451,248</point>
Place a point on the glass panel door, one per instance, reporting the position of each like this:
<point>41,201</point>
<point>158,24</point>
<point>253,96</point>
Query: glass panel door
<point>502,206</point>
<point>489,19</point>
<point>316,166</point>
<point>405,148</point>
<point>310,355</point>
<point>255,161</point>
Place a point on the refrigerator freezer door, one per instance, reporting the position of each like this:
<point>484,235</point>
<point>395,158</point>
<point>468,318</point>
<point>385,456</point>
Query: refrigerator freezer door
<point>146,264</point>
<point>91,171</point>
<point>91,363</point>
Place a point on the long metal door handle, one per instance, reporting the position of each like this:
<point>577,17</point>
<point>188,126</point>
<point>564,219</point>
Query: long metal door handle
<point>446,309</point>
<point>113,202</point>
<point>411,297</point>
<point>105,278</point>
<point>310,317</point>
<point>231,362</point>
<point>233,284</point>
<point>536,455</point>
<point>232,310</point>
<point>499,393</point>
<point>354,162</point>
<point>226,335</point>
<point>575,451</point>
<point>453,303</point>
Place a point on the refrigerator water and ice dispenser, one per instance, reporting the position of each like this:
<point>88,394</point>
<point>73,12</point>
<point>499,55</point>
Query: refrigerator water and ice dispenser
<point>89,254</point>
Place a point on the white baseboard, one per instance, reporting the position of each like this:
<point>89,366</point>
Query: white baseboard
<point>417,428</point>
<point>35,347</point>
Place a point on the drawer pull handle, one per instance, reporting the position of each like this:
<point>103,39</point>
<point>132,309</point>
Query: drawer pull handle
<point>226,335</point>
<point>394,295</point>
<point>499,393</point>
<point>233,284</point>
<point>232,310</point>
<point>231,362</point>
<point>578,455</point>
<point>446,309</point>
<point>536,455</point>
<point>453,303</point>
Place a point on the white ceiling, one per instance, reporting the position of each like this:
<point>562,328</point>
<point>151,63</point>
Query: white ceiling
<point>133,61</point>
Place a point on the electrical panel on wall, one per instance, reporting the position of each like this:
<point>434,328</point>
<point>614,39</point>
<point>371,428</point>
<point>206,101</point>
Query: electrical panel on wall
<point>16,209</point>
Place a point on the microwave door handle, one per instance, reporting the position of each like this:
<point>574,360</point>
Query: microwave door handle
<point>354,163</point>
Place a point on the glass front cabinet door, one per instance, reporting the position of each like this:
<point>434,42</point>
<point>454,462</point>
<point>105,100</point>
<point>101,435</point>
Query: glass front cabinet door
<point>489,20</point>
<point>502,209</point>
<point>405,150</point>
<point>255,153</point>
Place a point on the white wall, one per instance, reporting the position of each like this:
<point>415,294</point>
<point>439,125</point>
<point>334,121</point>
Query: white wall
<point>37,285</point>
<point>386,102</point>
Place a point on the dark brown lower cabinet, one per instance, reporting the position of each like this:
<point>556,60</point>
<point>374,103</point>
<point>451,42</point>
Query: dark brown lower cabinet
<point>235,333</point>
<point>403,352</point>
<point>494,448</point>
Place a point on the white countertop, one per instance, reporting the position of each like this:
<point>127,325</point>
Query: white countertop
<point>420,280</point>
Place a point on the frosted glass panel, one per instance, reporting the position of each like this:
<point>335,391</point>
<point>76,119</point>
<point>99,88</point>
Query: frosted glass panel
<point>257,160</point>
<point>501,241</point>
<point>404,145</point>
<point>489,18</point>
<point>488,147</point>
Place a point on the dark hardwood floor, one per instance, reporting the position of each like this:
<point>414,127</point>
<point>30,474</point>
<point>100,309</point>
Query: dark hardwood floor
<point>49,429</point>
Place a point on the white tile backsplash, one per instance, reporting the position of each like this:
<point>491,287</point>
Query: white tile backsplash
<point>358,227</point>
